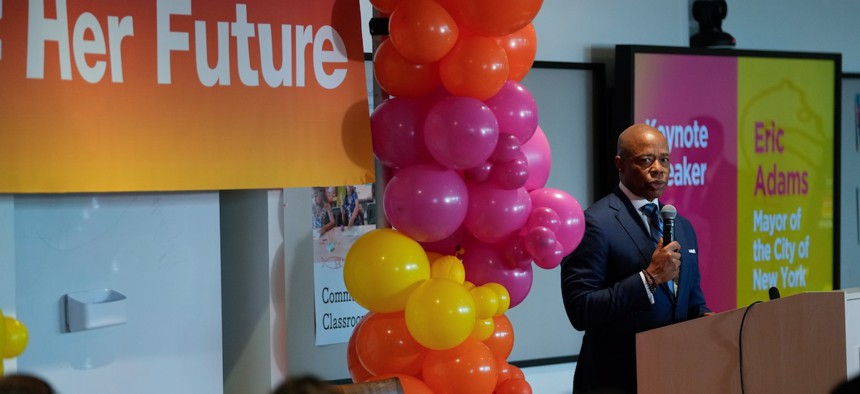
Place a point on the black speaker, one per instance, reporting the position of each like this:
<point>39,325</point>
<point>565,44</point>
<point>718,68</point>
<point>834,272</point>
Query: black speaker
<point>710,15</point>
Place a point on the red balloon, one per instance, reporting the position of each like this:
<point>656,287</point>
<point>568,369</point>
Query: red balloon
<point>401,77</point>
<point>501,343</point>
<point>521,47</point>
<point>384,345</point>
<point>356,371</point>
<point>514,386</point>
<point>410,384</point>
<point>476,67</point>
<point>385,6</point>
<point>422,30</point>
<point>466,368</point>
<point>493,17</point>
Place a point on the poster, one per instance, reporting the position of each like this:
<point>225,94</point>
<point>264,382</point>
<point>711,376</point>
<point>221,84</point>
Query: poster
<point>340,215</point>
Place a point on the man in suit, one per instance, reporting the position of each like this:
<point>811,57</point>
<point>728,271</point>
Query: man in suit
<point>622,279</point>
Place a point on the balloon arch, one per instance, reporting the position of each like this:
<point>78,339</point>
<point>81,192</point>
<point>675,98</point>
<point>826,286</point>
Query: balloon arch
<point>467,202</point>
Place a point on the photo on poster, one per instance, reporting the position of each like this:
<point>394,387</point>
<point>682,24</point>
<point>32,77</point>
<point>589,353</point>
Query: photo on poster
<point>340,215</point>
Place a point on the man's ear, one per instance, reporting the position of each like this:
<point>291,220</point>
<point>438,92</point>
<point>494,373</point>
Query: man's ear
<point>618,163</point>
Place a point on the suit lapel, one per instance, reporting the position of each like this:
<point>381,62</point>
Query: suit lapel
<point>632,224</point>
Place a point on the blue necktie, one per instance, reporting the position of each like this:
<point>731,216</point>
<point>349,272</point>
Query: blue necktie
<point>654,222</point>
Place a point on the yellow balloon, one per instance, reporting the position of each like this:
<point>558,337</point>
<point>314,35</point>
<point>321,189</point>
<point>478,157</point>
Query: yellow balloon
<point>448,267</point>
<point>432,256</point>
<point>483,329</point>
<point>504,297</point>
<point>440,314</point>
<point>2,340</point>
<point>16,337</point>
<point>382,268</point>
<point>468,285</point>
<point>486,302</point>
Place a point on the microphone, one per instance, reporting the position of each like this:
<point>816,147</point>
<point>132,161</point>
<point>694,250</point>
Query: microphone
<point>773,293</point>
<point>668,214</point>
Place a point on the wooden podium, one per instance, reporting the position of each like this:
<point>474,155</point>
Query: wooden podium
<point>795,344</point>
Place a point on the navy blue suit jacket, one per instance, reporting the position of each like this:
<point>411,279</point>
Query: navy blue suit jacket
<point>604,295</point>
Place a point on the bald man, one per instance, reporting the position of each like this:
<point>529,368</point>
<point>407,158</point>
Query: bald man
<point>622,279</point>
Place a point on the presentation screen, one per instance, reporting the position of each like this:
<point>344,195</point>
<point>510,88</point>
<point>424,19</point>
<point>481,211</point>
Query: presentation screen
<point>752,138</point>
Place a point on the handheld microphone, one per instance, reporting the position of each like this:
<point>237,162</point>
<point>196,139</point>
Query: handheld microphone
<point>668,214</point>
<point>773,293</point>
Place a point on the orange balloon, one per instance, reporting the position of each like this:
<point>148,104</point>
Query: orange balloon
<point>384,345</point>
<point>476,67</point>
<point>504,371</point>
<point>410,384</point>
<point>467,368</point>
<point>356,371</point>
<point>501,343</point>
<point>400,77</point>
<point>514,386</point>
<point>422,30</point>
<point>521,48</point>
<point>517,373</point>
<point>385,6</point>
<point>493,17</point>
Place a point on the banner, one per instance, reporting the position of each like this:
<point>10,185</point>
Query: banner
<point>752,144</point>
<point>181,95</point>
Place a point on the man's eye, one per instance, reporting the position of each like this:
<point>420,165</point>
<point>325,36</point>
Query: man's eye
<point>646,161</point>
<point>664,161</point>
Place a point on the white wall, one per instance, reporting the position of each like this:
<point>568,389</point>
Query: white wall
<point>161,251</point>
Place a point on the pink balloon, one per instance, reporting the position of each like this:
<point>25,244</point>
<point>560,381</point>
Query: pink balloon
<point>461,132</point>
<point>480,173</point>
<point>427,202</point>
<point>507,149</point>
<point>397,126</point>
<point>494,213</point>
<point>516,110</point>
<point>449,245</point>
<point>540,160</point>
<point>543,216</point>
<point>514,252</point>
<point>572,220</point>
<point>542,244</point>
<point>551,261</point>
<point>484,263</point>
<point>511,174</point>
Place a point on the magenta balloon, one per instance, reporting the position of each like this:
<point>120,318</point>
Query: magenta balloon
<point>427,202</point>
<point>540,242</point>
<point>538,154</point>
<point>484,263</point>
<point>449,245</point>
<point>461,132</point>
<point>480,173</point>
<point>507,149</point>
<point>551,261</point>
<point>515,253</point>
<point>397,126</point>
<point>511,174</point>
<point>494,213</point>
<point>516,110</point>
<point>571,218</point>
<point>544,217</point>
